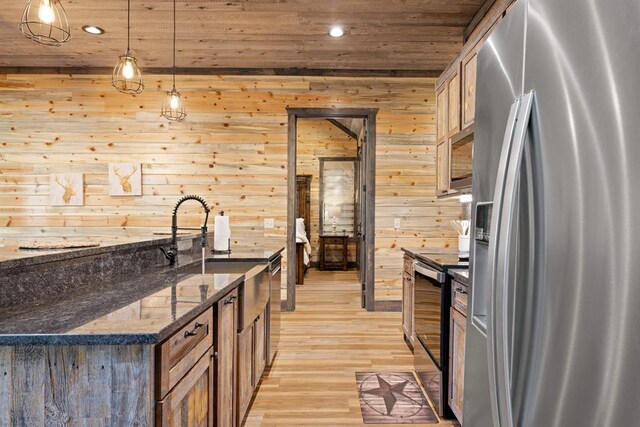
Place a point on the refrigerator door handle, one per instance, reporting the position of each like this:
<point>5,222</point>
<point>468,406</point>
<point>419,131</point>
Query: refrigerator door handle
<point>496,217</point>
<point>500,297</point>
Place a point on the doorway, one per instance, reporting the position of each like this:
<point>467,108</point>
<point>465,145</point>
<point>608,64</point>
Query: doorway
<point>361,209</point>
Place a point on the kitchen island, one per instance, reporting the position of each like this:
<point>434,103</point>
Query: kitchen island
<point>125,339</point>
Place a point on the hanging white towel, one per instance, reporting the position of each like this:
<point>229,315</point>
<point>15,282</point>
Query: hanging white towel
<point>301,237</point>
<point>221,233</point>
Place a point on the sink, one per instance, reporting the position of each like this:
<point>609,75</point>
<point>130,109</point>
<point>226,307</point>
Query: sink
<point>253,294</point>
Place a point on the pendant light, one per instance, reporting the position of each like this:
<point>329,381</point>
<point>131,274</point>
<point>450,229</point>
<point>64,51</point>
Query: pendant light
<point>45,22</point>
<point>127,77</point>
<point>173,107</point>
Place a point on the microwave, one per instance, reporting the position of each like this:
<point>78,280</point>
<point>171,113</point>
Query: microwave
<point>461,160</point>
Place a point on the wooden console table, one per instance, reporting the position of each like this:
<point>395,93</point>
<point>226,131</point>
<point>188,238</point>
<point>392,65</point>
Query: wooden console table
<point>339,240</point>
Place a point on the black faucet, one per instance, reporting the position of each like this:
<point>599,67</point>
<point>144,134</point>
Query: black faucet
<point>172,253</point>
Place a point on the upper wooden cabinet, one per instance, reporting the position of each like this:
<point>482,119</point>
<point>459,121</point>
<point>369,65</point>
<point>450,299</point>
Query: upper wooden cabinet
<point>453,97</point>
<point>441,112</point>
<point>456,99</point>
<point>442,168</point>
<point>469,65</point>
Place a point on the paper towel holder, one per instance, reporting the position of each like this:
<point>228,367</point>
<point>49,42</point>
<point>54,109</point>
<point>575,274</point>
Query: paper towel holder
<point>219,252</point>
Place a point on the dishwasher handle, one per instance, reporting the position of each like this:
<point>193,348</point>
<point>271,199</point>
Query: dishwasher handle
<point>429,272</point>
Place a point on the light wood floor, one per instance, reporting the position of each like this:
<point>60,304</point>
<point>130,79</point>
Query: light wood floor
<point>324,342</point>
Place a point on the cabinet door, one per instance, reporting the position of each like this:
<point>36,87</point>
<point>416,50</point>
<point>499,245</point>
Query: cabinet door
<point>469,65</point>
<point>453,88</point>
<point>441,112</point>
<point>245,371</point>
<point>260,348</point>
<point>456,365</point>
<point>226,361</point>
<point>442,168</point>
<point>190,402</point>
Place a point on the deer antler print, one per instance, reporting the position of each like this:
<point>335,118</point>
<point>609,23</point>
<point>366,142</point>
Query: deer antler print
<point>124,179</point>
<point>68,189</point>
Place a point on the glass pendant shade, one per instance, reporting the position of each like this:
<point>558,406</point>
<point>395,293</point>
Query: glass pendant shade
<point>45,22</point>
<point>173,107</point>
<point>127,77</point>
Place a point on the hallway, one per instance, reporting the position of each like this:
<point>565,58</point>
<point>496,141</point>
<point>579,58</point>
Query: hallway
<point>324,343</point>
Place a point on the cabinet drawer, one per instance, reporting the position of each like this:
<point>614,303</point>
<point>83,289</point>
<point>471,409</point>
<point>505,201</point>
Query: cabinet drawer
<point>180,352</point>
<point>459,297</point>
<point>189,336</point>
<point>408,265</point>
<point>334,240</point>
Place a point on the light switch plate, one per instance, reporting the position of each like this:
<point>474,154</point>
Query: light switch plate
<point>397,222</point>
<point>269,223</point>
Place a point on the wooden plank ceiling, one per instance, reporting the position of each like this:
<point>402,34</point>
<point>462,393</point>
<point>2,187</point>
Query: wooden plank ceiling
<point>386,36</point>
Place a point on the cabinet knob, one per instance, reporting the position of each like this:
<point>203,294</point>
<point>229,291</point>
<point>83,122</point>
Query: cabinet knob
<point>214,355</point>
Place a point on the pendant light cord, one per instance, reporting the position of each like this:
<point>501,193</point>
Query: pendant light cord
<point>174,44</point>
<point>128,25</point>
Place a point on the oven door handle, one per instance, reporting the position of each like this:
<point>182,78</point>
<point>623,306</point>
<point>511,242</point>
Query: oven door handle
<point>428,272</point>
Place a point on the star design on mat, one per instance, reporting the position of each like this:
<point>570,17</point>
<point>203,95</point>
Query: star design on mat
<point>388,392</point>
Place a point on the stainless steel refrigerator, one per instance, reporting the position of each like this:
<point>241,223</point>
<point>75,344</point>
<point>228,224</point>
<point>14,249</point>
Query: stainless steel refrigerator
<point>553,339</point>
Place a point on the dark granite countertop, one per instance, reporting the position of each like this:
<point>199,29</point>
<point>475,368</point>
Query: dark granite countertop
<point>441,259</point>
<point>11,256</point>
<point>413,252</point>
<point>459,275</point>
<point>145,309</point>
<point>122,293</point>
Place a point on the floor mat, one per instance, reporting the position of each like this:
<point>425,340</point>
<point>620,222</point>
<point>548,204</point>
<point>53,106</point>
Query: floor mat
<point>392,398</point>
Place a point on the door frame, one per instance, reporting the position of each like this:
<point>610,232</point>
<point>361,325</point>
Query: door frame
<point>369,165</point>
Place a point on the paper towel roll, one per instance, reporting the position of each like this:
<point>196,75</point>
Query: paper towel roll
<point>221,233</point>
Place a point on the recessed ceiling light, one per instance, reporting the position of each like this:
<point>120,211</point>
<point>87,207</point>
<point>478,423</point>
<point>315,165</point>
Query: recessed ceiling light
<point>336,32</point>
<point>92,29</point>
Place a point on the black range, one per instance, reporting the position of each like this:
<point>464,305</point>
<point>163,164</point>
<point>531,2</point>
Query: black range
<point>432,299</point>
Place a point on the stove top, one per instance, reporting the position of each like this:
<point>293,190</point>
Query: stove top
<point>443,262</point>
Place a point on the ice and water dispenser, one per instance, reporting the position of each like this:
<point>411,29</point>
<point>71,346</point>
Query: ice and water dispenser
<point>481,265</point>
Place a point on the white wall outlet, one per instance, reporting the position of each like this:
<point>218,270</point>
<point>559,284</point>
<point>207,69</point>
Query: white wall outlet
<point>397,222</point>
<point>269,223</point>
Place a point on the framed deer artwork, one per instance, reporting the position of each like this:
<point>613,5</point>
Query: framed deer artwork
<point>125,179</point>
<point>66,189</point>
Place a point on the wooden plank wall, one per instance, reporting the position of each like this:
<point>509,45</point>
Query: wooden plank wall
<point>232,149</point>
<point>319,138</point>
